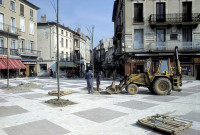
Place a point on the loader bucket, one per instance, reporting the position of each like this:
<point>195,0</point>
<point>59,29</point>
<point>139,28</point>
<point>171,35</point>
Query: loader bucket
<point>112,89</point>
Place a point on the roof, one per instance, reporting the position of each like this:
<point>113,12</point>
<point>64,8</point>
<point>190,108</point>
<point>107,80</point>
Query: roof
<point>29,4</point>
<point>61,26</point>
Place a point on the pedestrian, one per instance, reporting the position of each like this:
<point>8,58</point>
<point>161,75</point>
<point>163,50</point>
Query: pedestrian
<point>51,72</point>
<point>88,78</point>
<point>98,80</point>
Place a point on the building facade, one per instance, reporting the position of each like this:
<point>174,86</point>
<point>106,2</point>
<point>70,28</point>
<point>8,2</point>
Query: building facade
<point>72,56</point>
<point>145,28</point>
<point>84,52</point>
<point>18,34</point>
<point>103,56</point>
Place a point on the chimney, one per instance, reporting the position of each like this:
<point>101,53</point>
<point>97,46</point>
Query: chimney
<point>79,30</point>
<point>44,19</point>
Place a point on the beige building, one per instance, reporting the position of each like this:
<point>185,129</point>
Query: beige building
<point>152,28</point>
<point>18,33</point>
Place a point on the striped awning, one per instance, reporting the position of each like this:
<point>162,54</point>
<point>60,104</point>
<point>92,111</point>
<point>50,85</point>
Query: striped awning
<point>12,64</point>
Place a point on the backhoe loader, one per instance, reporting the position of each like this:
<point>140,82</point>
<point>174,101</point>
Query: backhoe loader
<point>159,77</point>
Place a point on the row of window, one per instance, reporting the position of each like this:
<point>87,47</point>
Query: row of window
<point>12,7</point>
<point>23,44</point>
<point>160,11</point>
<point>66,42</point>
<point>13,25</point>
<point>66,33</point>
<point>62,55</point>
<point>160,37</point>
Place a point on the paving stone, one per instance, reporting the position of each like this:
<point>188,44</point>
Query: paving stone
<point>11,110</point>
<point>182,94</point>
<point>94,97</point>
<point>138,105</point>
<point>2,100</point>
<point>195,87</point>
<point>32,96</point>
<point>99,115</point>
<point>160,98</point>
<point>42,127</point>
<point>21,91</point>
<point>190,90</point>
<point>194,116</point>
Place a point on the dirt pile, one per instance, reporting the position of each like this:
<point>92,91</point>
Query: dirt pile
<point>59,103</point>
<point>22,87</point>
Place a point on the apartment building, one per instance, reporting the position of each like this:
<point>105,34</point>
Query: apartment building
<point>103,56</point>
<point>84,52</point>
<point>152,28</point>
<point>18,37</point>
<point>47,43</point>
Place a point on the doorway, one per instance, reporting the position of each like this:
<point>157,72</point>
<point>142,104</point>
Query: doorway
<point>198,72</point>
<point>31,70</point>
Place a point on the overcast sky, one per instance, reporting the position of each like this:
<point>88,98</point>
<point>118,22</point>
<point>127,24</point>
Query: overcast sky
<point>81,13</point>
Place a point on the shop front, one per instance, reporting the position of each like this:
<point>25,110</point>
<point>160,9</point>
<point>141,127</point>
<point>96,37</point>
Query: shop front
<point>31,68</point>
<point>13,65</point>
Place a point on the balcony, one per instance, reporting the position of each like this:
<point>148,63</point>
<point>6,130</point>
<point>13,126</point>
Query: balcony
<point>13,52</point>
<point>3,51</point>
<point>29,52</point>
<point>138,20</point>
<point>169,46</point>
<point>174,19</point>
<point>7,29</point>
<point>77,48</point>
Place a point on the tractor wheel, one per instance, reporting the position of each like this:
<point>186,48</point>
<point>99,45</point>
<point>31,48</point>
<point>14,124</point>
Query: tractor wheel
<point>151,89</point>
<point>132,89</point>
<point>162,86</point>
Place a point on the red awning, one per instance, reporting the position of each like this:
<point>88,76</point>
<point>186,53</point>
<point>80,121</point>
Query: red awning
<point>22,66</point>
<point>2,64</point>
<point>12,64</point>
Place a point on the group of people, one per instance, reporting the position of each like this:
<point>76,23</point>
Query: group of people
<point>88,77</point>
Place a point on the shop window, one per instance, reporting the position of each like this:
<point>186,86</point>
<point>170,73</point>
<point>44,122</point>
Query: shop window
<point>187,70</point>
<point>43,67</point>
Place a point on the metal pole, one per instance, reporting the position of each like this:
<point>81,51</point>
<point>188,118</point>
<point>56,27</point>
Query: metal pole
<point>7,61</point>
<point>58,63</point>
<point>92,57</point>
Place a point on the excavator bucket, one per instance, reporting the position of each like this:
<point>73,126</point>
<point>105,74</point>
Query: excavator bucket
<point>112,89</point>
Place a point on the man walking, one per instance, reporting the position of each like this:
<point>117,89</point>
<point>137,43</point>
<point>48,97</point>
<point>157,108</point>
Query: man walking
<point>88,78</point>
<point>98,79</point>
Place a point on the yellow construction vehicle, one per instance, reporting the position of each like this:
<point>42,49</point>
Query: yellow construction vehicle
<point>159,77</point>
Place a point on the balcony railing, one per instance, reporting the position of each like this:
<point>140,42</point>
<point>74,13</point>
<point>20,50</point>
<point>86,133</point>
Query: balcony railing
<point>3,51</point>
<point>192,18</point>
<point>76,48</point>
<point>9,29</point>
<point>138,20</point>
<point>13,52</point>
<point>29,52</point>
<point>169,46</point>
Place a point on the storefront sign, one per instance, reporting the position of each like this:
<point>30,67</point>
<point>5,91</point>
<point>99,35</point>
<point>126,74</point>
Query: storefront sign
<point>27,63</point>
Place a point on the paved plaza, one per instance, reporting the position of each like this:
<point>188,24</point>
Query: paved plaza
<point>25,113</point>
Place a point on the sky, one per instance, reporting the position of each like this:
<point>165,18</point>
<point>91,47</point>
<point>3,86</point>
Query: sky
<point>80,13</point>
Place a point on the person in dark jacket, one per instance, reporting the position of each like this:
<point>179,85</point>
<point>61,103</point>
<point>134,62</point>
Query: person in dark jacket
<point>88,77</point>
<point>98,80</point>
